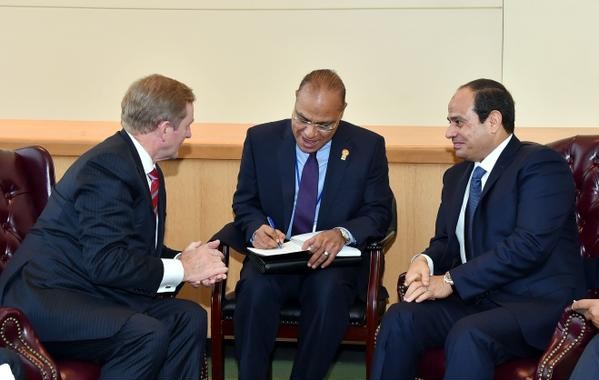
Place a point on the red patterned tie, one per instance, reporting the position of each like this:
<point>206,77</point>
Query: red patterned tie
<point>154,187</point>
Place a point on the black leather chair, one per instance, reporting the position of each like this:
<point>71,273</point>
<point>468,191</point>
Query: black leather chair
<point>364,316</point>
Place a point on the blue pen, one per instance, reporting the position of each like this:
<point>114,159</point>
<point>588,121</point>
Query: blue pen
<point>271,223</point>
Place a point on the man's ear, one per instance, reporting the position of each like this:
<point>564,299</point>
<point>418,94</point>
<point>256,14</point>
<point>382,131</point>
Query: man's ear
<point>162,129</point>
<point>344,107</point>
<point>494,121</point>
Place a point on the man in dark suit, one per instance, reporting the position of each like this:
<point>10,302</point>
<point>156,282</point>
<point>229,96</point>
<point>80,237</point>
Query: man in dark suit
<point>504,260</point>
<point>90,272</point>
<point>314,172</point>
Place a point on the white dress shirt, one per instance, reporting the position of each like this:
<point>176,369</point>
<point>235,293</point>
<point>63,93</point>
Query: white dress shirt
<point>173,268</point>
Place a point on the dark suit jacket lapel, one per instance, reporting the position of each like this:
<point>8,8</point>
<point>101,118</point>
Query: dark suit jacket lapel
<point>506,157</point>
<point>457,198</point>
<point>139,168</point>
<point>336,168</point>
<point>287,162</point>
<point>138,165</point>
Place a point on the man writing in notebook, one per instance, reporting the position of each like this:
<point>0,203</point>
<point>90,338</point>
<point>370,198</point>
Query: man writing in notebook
<point>313,172</point>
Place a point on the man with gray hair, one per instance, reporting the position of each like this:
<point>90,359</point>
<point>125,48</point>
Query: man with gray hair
<point>92,272</point>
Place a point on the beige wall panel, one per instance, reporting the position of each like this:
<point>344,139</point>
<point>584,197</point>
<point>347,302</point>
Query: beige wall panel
<point>400,64</point>
<point>199,204</point>
<point>417,189</point>
<point>551,61</point>
<point>253,4</point>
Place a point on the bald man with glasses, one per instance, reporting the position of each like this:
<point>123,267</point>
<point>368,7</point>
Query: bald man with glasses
<point>313,172</point>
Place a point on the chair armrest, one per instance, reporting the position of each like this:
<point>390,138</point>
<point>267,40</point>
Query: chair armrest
<point>401,288</point>
<point>572,334</point>
<point>218,290</point>
<point>17,335</point>
<point>377,250</point>
<point>230,238</point>
<point>384,243</point>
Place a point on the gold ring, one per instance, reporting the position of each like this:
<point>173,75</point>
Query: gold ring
<point>326,254</point>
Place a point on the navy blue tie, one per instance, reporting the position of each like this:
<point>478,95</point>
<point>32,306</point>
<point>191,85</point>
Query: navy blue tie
<point>473,199</point>
<point>305,206</point>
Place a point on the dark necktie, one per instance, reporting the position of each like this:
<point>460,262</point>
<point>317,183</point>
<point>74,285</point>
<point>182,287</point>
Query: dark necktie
<point>305,206</point>
<point>154,187</point>
<point>473,199</point>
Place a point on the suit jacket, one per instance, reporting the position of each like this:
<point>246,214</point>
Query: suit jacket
<point>356,193</point>
<point>91,261</point>
<point>524,237</point>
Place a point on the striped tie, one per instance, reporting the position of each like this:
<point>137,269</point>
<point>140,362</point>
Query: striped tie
<point>154,187</point>
<point>473,199</point>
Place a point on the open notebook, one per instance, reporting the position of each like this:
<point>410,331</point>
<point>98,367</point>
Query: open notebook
<point>290,258</point>
<point>295,245</point>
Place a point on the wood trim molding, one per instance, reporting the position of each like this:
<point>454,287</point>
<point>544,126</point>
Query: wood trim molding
<point>405,144</point>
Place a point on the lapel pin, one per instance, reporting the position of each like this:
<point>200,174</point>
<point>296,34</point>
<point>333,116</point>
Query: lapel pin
<point>344,154</point>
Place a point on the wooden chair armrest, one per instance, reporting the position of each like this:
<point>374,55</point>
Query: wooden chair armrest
<point>377,251</point>
<point>230,238</point>
<point>383,244</point>
<point>16,334</point>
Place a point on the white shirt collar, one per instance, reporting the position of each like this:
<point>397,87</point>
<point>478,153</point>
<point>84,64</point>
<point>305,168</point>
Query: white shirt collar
<point>489,162</point>
<point>143,154</point>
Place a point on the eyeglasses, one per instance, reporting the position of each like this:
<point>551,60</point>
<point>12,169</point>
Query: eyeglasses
<point>322,127</point>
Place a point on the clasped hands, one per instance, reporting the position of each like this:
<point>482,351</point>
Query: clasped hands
<point>203,264</point>
<point>323,247</point>
<point>422,286</point>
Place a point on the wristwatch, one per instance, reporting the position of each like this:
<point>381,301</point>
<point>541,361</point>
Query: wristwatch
<point>447,279</point>
<point>344,235</point>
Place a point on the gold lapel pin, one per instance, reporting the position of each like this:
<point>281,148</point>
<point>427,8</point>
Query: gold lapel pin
<point>344,154</point>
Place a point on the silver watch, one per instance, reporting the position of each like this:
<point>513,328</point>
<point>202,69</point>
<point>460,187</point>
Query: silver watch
<point>447,279</point>
<point>344,235</point>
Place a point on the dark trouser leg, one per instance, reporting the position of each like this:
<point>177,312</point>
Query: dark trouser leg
<point>407,330</point>
<point>325,298</point>
<point>186,323</point>
<point>168,342</point>
<point>14,362</point>
<point>479,342</point>
<point>258,302</point>
<point>588,364</point>
<point>136,351</point>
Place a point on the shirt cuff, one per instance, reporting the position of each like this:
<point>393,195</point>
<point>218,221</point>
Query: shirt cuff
<point>172,277</point>
<point>429,261</point>
<point>5,372</point>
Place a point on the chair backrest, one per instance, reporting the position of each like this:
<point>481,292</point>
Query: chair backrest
<point>582,154</point>
<point>26,180</point>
